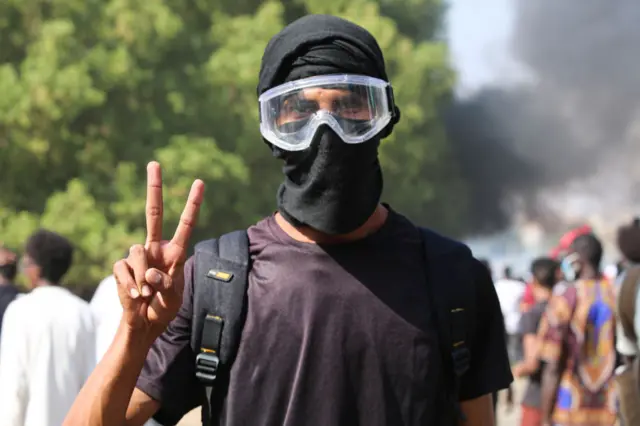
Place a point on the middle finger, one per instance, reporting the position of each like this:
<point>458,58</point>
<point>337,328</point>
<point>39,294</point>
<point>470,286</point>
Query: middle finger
<point>154,205</point>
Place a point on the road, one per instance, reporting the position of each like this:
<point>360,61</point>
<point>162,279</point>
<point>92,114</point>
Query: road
<point>505,417</point>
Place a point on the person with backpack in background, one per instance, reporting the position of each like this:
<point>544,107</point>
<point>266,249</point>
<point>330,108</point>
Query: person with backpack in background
<point>324,313</point>
<point>628,328</point>
<point>578,343</point>
<point>8,272</point>
<point>47,349</point>
<point>545,272</point>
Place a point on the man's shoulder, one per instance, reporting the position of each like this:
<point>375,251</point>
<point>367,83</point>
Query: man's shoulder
<point>450,253</point>
<point>22,299</point>
<point>74,304</point>
<point>261,233</point>
<point>63,299</point>
<point>78,311</point>
<point>588,286</point>
<point>443,242</point>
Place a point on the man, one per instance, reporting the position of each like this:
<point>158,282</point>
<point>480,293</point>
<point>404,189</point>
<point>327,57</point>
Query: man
<point>47,349</point>
<point>578,344</point>
<point>545,272</point>
<point>510,293</point>
<point>338,329</point>
<point>628,325</point>
<point>8,271</point>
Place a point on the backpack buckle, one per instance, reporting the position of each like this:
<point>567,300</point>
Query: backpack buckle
<point>461,358</point>
<point>207,367</point>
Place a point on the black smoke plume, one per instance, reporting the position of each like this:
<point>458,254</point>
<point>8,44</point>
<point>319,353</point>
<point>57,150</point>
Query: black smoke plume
<point>574,120</point>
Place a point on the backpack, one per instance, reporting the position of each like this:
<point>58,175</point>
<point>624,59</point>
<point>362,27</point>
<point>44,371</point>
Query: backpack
<point>220,301</point>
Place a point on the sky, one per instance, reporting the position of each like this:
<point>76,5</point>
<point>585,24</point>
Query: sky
<point>478,32</point>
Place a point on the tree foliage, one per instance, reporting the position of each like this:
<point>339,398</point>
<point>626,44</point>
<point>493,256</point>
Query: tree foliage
<point>91,90</point>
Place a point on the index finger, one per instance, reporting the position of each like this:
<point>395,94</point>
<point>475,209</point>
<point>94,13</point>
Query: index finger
<point>153,208</point>
<point>189,215</point>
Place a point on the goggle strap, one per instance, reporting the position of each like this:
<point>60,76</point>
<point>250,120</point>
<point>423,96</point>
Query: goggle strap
<point>391,100</point>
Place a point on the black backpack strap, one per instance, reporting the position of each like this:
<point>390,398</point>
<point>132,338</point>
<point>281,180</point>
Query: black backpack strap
<point>449,265</point>
<point>219,310</point>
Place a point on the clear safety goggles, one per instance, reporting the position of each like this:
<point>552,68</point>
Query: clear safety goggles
<point>356,107</point>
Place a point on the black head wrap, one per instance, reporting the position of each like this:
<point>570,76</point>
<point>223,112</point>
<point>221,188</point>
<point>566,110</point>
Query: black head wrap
<point>327,43</point>
<point>321,45</point>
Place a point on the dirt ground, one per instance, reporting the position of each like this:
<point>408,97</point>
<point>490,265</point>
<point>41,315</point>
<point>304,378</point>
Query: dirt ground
<point>505,417</point>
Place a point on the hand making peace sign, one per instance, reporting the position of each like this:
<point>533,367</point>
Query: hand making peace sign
<point>151,279</point>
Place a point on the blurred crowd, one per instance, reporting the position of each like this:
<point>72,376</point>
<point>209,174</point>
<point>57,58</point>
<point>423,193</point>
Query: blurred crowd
<point>571,331</point>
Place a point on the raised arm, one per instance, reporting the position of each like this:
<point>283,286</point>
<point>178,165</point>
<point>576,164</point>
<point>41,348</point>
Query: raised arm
<point>150,287</point>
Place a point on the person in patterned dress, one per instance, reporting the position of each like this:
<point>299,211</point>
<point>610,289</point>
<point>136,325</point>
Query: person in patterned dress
<point>578,345</point>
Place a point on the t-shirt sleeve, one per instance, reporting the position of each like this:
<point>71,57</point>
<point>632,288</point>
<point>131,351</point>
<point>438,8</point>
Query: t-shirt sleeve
<point>554,326</point>
<point>489,369</point>
<point>168,375</point>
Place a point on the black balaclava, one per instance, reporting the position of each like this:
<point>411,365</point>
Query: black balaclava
<point>331,186</point>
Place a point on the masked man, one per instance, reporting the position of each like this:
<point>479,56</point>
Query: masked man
<point>338,327</point>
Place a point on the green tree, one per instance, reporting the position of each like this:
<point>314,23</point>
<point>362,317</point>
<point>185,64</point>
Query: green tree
<point>91,90</point>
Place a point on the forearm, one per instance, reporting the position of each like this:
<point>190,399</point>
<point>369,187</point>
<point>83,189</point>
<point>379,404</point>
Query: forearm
<point>478,411</point>
<point>550,382</point>
<point>105,396</point>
